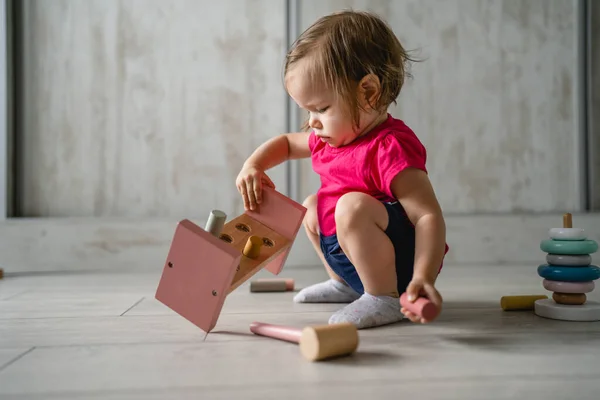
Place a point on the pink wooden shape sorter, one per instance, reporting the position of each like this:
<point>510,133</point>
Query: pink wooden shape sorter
<point>197,274</point>
<point>202,268</point>
<point>284,216</point>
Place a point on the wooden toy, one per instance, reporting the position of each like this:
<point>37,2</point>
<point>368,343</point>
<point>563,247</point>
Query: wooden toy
<point>520,303</point>
<point>317,343</point>
<point>272,285</point>
<point>569,274</point>
<point>215,222</point>
<point>422,307</point>
<point>574,299</point>
<point>569,287</point>
<point>576,261</point>
<point>204,265</point>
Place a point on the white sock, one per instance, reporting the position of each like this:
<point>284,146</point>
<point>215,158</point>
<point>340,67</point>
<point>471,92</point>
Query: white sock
<point>330,291</point>
<point>369,311</point>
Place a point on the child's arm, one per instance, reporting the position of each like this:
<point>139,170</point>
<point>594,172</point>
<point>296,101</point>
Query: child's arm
<point>273,152</point>
<point>413,189</point>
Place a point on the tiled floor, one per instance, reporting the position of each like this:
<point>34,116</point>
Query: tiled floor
<point>103,336</point>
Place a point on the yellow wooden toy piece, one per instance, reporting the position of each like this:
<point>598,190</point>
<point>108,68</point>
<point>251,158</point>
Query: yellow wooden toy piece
<point>518,303</point>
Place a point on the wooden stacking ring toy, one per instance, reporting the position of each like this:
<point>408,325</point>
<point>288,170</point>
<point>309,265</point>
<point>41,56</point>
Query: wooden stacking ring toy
<point>569,274</point>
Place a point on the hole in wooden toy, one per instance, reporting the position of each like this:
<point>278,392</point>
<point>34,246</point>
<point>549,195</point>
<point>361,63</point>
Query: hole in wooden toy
<point>268,242</point>
<point>214,292</point>
<point>242,227</point>
<point>226,238</point>
<point>170,264</point>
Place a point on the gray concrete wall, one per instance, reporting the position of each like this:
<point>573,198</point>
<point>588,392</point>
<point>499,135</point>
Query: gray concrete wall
<point>495,101</point>
<point>146,107</point>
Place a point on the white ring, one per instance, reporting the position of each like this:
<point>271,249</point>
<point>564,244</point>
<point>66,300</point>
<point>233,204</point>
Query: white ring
<point>590,311</point>
<point>569,260</point>
<point>567,234</point>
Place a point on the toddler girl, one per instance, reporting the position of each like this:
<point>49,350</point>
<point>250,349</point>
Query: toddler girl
<point>375,221</point>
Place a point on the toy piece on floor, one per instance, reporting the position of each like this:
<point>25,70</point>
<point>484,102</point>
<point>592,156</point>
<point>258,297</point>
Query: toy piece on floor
<point>569,274</point>
<point>317,343</point>
<point>1,273</point>
<point>422,307</point>
<point>520,302</point>
<point>272,285</point>
<point>204,265</point>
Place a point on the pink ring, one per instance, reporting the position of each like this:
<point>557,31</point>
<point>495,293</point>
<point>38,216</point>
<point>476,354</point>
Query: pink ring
<point>569,287</point>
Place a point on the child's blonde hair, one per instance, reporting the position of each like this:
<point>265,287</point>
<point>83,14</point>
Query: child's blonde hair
<point>346,46</point>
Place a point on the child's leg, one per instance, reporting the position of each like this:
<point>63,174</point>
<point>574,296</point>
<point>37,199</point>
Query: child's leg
<point>333,290</point>
<point>361,222</point>
<point>362,229</point>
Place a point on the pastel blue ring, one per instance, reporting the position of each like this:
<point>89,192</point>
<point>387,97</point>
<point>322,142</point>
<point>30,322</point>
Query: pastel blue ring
<point>569,246</point>
<point>569,274</point>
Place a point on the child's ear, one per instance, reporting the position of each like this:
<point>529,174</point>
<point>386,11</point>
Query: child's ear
<point>369,89</point>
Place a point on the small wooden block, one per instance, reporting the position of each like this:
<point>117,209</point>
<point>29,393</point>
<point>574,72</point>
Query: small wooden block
<point>237,232</point>
<point>197,275</point>
<point>284,216</point>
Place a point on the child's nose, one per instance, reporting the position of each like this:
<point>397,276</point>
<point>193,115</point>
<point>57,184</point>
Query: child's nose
<point>314,123</point>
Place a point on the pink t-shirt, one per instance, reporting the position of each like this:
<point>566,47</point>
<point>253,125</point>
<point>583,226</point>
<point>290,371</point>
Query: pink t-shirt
<point>367,165</point>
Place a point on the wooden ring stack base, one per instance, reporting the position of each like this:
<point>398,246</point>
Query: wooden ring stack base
<point>569,274</point>
<point>204,265</point>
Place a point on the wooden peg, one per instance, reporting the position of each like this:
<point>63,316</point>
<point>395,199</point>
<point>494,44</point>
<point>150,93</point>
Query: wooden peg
<point>567,220</point>
<point>272,285</point>
<point>316,342</point>
<point>215,222</point>
<point>422,307</point>
<point>253,245</point>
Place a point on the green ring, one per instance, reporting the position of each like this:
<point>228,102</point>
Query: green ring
<point>569,247</point>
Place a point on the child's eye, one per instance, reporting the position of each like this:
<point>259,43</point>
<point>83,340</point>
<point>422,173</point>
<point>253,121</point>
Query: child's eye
<point>322,110</point>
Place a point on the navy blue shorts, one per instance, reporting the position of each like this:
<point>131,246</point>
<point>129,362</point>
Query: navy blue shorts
<point>402,235</point>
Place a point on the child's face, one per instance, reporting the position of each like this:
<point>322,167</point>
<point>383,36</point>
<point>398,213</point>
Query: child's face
<point>328,117</point>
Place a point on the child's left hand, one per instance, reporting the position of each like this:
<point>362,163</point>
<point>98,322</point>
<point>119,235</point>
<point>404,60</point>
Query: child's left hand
<point>420,287</point>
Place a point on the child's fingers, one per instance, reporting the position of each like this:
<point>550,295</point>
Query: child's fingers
<point>433,295</point>
<point>413,290</point>
<point>244,192</point>
<point>257,190</point>
<point>250,191</point>
<point>268,181</point>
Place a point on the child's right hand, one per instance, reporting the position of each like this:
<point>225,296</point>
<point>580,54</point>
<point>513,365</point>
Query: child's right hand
<point>249,183</point>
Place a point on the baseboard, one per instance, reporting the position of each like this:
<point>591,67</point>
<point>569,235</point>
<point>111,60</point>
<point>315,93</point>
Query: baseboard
<point>81,244</point>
